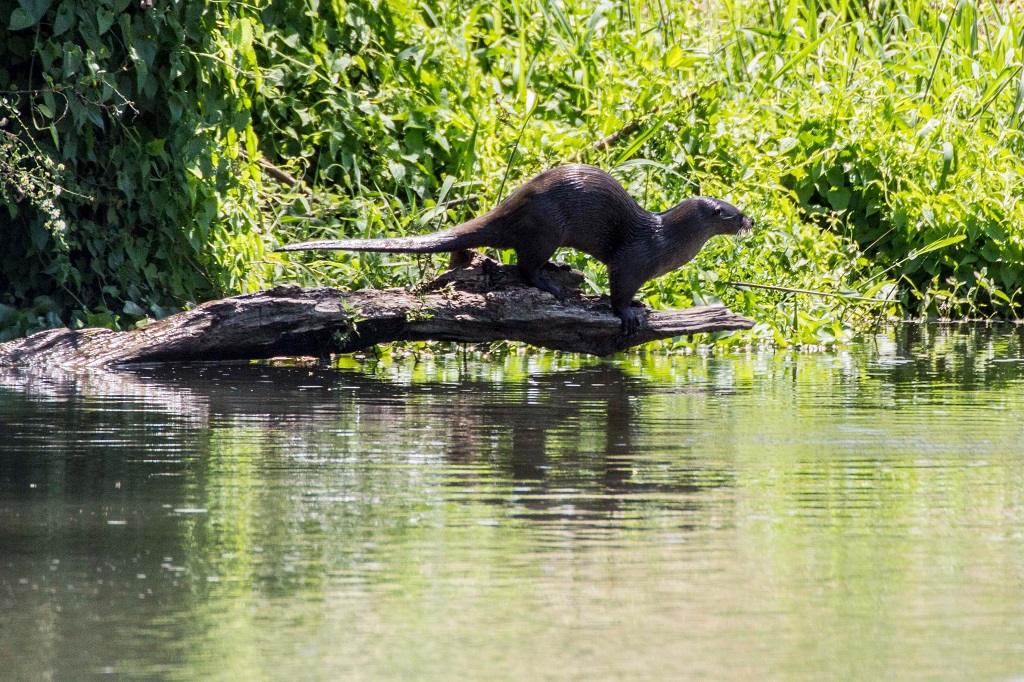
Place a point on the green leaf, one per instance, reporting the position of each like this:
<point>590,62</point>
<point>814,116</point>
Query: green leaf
<point>252,145</point>
<point>639,141</point>
<point>936,245</point>
<point>674,57</point>
<point>64,21</point>
<point>133,308</point>
<point>995,232</point>
<point>597,20</point>
<point>799,57</point>
<point>9,315</point>
<point>155,147</point>
<point>29,14</point>
<point>989,253</point>
<point>20,19</point>
<point>839,198</point>
<point>446,187</point>
<point>104,20</point>
<point>804,192</point>
<point>397,171</point>
<point>94,115</point>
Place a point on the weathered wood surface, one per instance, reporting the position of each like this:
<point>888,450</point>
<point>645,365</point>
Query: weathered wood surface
<point>484,302</point>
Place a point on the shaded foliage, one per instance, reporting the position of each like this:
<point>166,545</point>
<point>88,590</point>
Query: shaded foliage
<point>124,97</point>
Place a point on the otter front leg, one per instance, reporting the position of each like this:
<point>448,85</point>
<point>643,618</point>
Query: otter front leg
<point>630,316</point>
<point>623,287</point>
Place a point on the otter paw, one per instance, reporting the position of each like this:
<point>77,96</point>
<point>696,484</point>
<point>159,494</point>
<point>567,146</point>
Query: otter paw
<point>631,321</point>
<point>547,285</point>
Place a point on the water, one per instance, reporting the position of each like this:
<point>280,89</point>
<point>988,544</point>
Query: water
<point>781,516</point>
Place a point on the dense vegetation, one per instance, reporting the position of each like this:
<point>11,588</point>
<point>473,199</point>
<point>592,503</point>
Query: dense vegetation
<point>877,145</point>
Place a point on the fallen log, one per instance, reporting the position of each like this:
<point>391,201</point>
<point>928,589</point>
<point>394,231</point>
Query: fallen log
<point>484,302</point>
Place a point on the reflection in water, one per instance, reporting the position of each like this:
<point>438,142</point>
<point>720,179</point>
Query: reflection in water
<point>783,516</point>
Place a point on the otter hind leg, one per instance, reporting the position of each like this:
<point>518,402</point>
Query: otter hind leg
<point>535,278</point>
<point>461,259</point>
<point>537,236</point>
<point>531,262</point>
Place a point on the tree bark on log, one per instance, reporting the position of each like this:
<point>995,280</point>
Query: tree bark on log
<point>481,303</point>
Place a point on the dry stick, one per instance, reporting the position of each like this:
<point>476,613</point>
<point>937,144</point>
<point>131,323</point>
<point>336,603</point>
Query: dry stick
<point>471,199</point>
<point>273,171</point>
<point>281,176</point>
<point>809,291</point>
<point>625,131</point>
<point>634,125</point>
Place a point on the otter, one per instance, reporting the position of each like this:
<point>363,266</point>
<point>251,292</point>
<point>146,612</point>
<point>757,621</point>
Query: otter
<point>587,209</point>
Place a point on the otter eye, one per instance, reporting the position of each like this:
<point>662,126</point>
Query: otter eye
<point>718,210</point>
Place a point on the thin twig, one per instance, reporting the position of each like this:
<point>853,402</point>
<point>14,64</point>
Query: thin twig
<point>284,177</point>
<point>809,291</point>
<point>635,124</point>
<point>625,131</point>
<point>470,199</point>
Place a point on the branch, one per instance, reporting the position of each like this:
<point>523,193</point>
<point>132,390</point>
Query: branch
<point>282,176</point>
<point>625,131</point>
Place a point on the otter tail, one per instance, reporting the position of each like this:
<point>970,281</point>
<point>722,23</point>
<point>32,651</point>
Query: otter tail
<point>455,239</point>
<point>491,229</point>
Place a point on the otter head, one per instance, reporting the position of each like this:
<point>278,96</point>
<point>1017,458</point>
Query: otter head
<point>724,217</point>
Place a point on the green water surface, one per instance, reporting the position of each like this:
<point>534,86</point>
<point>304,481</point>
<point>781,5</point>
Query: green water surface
<point>856,515</point>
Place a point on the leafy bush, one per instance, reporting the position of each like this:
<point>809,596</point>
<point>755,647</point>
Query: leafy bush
<point>124,99</point>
